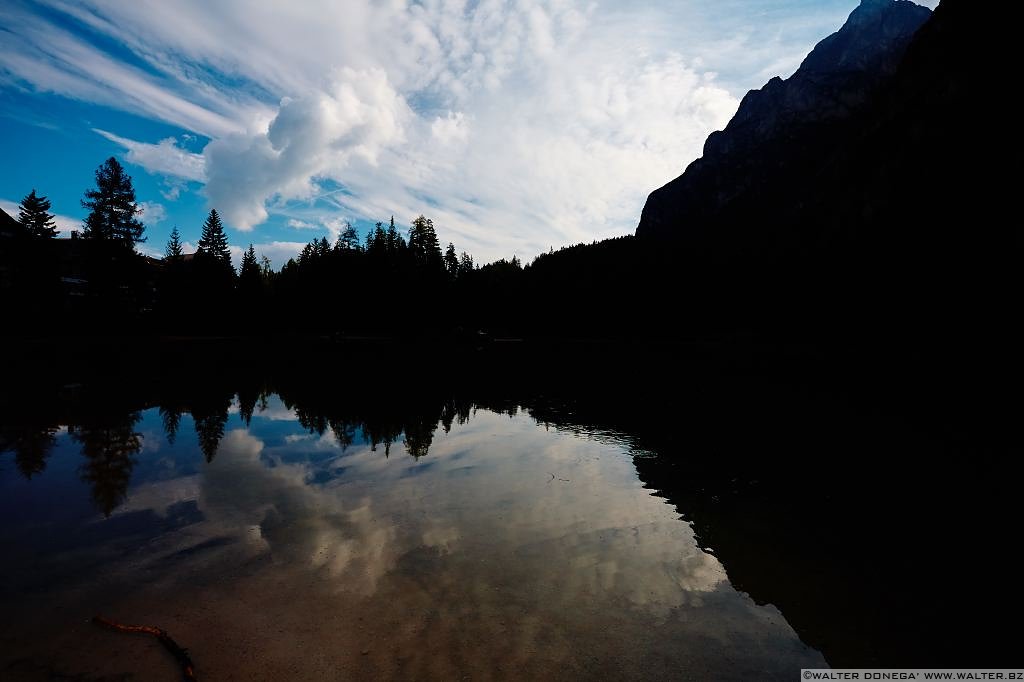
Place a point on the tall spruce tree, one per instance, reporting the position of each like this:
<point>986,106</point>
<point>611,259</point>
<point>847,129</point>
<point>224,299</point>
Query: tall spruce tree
<point>35,216</point>
<point>394,239</point>
<point>214,242</point>
<point>249,276</point>
<point>112,207</point>
<point>349,238</point>
<point>465,264</point>
<point>173,249</point>
<point>451,261</point>
<point>423,242</point>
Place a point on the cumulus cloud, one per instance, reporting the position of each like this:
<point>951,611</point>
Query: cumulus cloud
<point>152,212</point>
<point>358,114</point>
<point>546,156</point>
<point>516,126</point>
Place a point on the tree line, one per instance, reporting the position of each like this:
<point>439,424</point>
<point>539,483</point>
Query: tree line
<point>390,281</point>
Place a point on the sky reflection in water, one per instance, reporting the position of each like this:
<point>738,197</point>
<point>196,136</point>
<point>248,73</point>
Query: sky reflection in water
<point>510,548</point>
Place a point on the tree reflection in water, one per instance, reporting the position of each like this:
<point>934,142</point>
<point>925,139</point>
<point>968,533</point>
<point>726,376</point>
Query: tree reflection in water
<point>109,446</point>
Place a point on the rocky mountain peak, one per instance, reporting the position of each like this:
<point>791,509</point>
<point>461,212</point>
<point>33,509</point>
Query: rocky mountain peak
<point>782,126</point>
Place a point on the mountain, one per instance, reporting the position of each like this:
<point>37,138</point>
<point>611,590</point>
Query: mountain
<point>783,133</point>
<point>861,199</point>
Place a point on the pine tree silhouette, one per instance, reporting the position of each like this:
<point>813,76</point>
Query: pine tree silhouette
<point>451,261</point>
<point>250,266</point>
<point>112,207</point>
<point>214,242</point>
<point>35,216</point>
<point>173,249</point>
<point>349,238</point>
<point>423,242</point>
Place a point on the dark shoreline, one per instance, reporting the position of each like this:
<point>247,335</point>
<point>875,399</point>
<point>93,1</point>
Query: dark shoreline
<point>964,398</point>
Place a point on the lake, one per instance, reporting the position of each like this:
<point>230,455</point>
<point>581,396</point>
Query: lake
<point>366,522</point>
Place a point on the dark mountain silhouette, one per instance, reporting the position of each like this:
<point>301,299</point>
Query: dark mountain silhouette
<point>783,133</point>
<point>856,201</point>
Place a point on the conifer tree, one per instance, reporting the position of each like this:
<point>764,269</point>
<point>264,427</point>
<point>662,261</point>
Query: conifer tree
<point>451,261</point>
<point>394,239</point>
<point>171,418</point>
<point>250,277</point>
<point>213,242</point>
<point>266,269</point>
<point>35,216</point>
<point>112,207</point>
<point>377,240</point>
<point>349,238</point>
<point>173,249</point>
<point>423,242</point>
<point>250,266</point>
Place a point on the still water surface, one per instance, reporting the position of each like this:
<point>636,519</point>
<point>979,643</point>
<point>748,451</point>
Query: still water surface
<point>485,545</point>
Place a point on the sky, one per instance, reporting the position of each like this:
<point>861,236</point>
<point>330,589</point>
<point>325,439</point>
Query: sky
<point>516,125</point>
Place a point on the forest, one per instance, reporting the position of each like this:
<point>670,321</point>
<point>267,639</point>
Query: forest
<point>392,281</point>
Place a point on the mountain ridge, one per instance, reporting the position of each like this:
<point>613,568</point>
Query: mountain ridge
<point>788,125</point>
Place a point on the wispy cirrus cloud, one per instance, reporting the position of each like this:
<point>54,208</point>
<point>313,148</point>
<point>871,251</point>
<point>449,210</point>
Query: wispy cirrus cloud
<point>42,53</point>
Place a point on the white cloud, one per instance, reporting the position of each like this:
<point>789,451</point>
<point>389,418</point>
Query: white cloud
<point>516,126</point>
<point>358,115</point>
<point>149,250</point>
<point>450,129</point>
<point>172,187</point>
<point>165,157</point>
<point>65,224</point>
<point>51,59</point>
<point>152,212</point>
<point>546,156</point>
<point>334,225</point>
<point>278,252</point>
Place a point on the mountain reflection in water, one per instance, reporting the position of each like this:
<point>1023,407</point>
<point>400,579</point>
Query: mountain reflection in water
<point>487,520</point>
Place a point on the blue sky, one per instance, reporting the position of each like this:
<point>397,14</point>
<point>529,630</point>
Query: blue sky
<point>515,125</point>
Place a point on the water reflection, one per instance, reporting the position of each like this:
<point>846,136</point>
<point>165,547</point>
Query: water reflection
<point>109,445</point>
<point>472,539</point>
<point>30,443</point>
<point>279,521</point>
